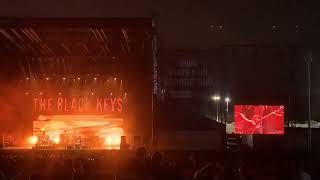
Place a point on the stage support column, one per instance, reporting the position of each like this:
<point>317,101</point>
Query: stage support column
<point>309,61</point>
<point>155,85</point>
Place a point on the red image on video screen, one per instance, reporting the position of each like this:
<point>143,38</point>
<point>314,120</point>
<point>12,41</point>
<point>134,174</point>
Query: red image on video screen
<point>259,119</point>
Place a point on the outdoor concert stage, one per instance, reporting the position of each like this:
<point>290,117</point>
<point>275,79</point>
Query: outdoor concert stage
<point>76,82</point>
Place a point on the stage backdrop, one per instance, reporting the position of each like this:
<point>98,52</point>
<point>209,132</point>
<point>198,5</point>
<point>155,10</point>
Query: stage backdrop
<point>95,119</point>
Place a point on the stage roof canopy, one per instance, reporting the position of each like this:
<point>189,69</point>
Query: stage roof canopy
<point>113,37</point>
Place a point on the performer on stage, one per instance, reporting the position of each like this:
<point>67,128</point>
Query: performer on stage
<point>63,138</point>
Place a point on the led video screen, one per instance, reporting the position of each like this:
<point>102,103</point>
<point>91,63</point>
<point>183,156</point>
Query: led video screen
<point>259,119</point>
<point>94,130</point>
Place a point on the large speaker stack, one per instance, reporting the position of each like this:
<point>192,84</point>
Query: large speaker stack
<point>123,143</point>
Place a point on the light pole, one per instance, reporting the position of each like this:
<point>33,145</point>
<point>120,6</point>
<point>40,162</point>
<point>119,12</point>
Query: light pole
<point>216,99</point>
<point>227,99</point>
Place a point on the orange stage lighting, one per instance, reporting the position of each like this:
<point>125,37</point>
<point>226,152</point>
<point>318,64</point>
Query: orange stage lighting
<point>56,140</point>
<point>93,131</point>
<point>33,140</point>
<point>109,141</point>
<point>113,141</point>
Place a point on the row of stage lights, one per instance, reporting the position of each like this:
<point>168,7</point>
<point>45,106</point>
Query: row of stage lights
<point>92,93</point>
<point>47,78</point>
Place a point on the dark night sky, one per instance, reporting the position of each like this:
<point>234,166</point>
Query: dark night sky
<point>186,23</point>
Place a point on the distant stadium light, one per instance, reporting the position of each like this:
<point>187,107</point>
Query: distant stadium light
<point>64,78</point>
<point>27,78</point>
<point>47,78</point>
<point>215,98</point>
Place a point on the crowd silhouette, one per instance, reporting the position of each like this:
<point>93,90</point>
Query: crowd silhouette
<point>125,165</point>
